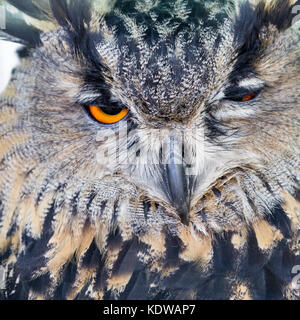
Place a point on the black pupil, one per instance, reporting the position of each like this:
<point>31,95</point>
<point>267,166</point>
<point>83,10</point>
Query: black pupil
<point>112,110</point>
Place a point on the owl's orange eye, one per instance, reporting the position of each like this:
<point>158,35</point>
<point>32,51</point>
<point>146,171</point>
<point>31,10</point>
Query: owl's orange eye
<point>108,116</point>
<point>248,97</point>
<point>238,95</point>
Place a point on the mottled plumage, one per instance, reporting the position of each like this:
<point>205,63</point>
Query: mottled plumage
<point>223,222</point>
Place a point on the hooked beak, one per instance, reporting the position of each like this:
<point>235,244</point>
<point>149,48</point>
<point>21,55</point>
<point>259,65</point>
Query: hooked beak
<point>177,185</point>
<point>177,190</point>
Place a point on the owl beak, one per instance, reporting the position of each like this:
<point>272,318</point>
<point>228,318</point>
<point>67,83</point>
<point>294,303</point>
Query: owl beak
<point>176,188</point>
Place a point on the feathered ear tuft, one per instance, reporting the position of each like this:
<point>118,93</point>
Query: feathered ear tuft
<point>279,13</point>
<point>256,24</point>
<point>72,14</point>
<point>36,9</point>
<point>25,20</point>
<point>252,19</point>
<point>75,16</point>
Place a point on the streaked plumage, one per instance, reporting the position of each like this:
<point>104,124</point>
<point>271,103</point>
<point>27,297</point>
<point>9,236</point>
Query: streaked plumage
<point>73,226</point>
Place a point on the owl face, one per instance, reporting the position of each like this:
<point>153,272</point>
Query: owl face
<point>203,105</point>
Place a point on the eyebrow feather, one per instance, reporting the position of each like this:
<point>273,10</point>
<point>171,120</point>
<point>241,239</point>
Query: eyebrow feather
<point>251,83</point>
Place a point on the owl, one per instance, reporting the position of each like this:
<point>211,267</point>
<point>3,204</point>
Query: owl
<point>149,149</point>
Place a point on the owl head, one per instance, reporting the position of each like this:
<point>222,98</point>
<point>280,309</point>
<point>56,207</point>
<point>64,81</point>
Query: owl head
<point>141,116</point>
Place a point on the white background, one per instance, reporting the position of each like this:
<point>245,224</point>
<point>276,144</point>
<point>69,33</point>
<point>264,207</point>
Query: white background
<point>8,61</point>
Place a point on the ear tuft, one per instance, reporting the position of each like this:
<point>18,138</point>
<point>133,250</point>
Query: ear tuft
<point>276,12</point>
<point>25,20</point>
<point>72,14</point>
<point>36,9</point>
<point>251,20</point>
